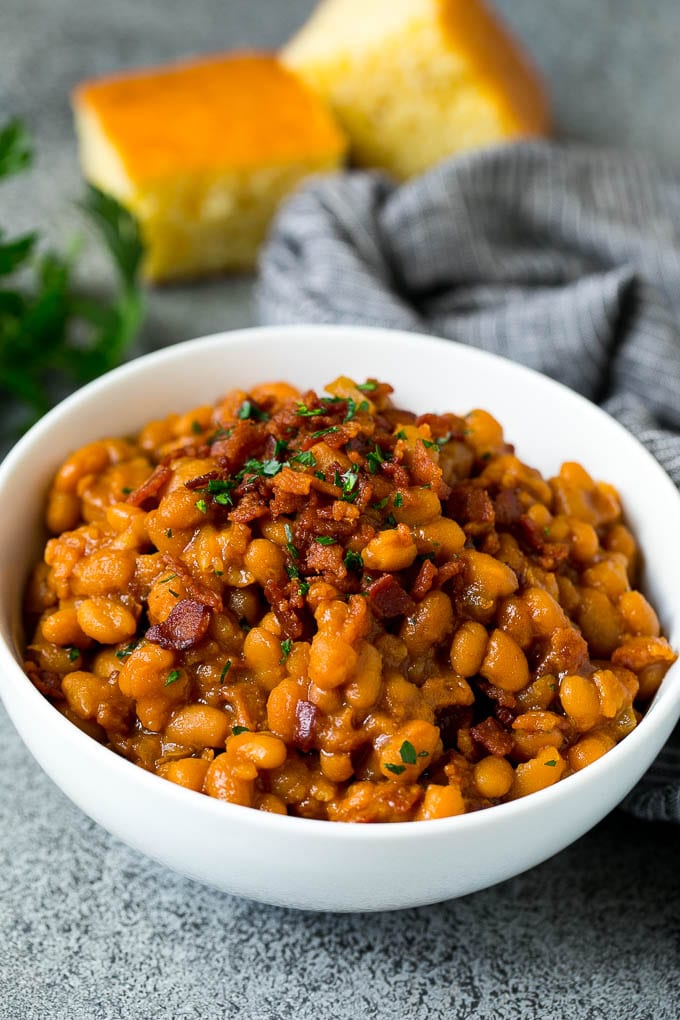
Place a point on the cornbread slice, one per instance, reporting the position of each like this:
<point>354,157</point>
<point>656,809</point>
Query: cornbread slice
<point>202,153</point>
<point>413,81</point>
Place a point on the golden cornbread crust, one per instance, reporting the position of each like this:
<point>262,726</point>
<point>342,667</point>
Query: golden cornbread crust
<point>414,81</point>
<point>202,153</point>
<point>227,111</point>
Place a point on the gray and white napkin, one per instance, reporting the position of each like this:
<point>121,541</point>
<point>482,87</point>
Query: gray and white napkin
<point>565,259</point>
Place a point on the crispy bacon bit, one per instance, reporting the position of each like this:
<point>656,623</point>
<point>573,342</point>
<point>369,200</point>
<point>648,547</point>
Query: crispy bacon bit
<point>199,591</point>
<point>306,715</point>
<point>250,506</point>
<point>185,626</point>
<point>151,487</point>
<point>472,508</point>
<point>493,738</point>
<point>387,598</point>
<point>565,652</point>
<point>508,508</point>
<point>424,580</point>
<point>232,451</point>
<point>48,683</point>
<point>286,608</point>
<point>201,481</point>
<point>451,569</point>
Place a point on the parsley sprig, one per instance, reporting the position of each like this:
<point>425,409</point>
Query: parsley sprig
<point>51,333</point>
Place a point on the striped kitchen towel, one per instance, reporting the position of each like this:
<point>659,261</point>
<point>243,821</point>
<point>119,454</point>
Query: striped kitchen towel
<point>562,258</point>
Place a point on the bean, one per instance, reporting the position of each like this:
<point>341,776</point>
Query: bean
<point>105,619</point>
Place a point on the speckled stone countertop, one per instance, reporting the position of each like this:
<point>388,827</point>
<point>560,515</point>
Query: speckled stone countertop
<point>89,929</point>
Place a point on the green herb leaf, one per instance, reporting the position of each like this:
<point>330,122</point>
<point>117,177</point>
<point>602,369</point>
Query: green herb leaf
<point>324,540</point>
<point>173,677</point>
<point>306,458</point>
<point>368,387</point>
<point>349,481</point>
<point>280,447</point>
<point>401,434</point>
<point>551,763</point>
<point>73,654</point>
<point>398,500</point>
<point>375,458</point>
<point>239,729</point>
<point>407,753</point>
<point>353,561</point>
<point>168,532</point>
<point>123,653</point>
<point>202,506</point>
<point>15,148</point>
<point>395,769</point>
<point>305,412</point>
<point>196,428</point>
<point>286,648</point>
<point>250,410</point>
<point>225,670</point>
<point>171,577</point>
<point>325,432</point>
<point>289,542</point>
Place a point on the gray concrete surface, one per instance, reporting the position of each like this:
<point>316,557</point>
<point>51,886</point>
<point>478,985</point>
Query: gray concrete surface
<point>88,928</point>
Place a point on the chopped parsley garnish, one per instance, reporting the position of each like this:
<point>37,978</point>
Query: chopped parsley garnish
<point>320,475</point>
<point>353,560</point>
<point>325,432</point>
<point>552,763</point>
<point>127,490</point>
<point>239,729</point>
<point>401,434</point>
<point>305,412</point>
<point>368,387</point>
<point>250,410</point>
<point>202,506</point>
<point>395,769</point>
<point>349,481</point>
<point>217,573</point>
<point>220,433</point>
<point>168,533</point>
<point>225,670</point>
<point>286,649</point>
<point>196,428</point>
<point>267,468</point>
<point>352,408</point>
<point>375,458</point>
<point>220,485</point>
<point>429,444</point>
<point>382,504</point>
<point>391,520</point>
<point>171,577</point>
<point>304,457</point>
<point>244,625</point>
<point>280,447</point>
<point>175,594</point>
<point>546,532</point>
<point>324,540</point>
<point>303,588</point>
<point>173,677</point>
<point>398,500</point>
<point>289,542</point>
<point>73,654</point>
<point>123,653</point>
<point>407,753</point>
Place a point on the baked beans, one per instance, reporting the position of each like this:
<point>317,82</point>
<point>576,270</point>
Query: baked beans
<point>331,607</point>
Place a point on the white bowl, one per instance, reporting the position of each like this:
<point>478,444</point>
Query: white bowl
<point>297,862</point>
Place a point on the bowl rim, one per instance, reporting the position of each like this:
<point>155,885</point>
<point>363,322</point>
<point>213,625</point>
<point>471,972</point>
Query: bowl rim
<point>308,827</point>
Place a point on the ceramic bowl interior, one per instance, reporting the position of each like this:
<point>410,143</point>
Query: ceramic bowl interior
<point>299,862</point>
